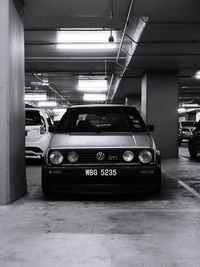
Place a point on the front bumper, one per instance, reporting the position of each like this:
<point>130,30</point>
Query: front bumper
<point>74,179</point>
<point>38,147</point>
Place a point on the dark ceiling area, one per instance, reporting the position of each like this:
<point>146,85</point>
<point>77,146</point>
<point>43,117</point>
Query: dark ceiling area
<point>149,36</point>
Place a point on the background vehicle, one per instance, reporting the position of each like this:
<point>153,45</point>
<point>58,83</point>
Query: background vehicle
<point>194,141</point>
<point>185,130</point>
<point>100,149</point>
<point>38,128</point>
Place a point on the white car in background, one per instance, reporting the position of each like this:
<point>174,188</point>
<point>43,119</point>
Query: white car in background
<point>38,131</point>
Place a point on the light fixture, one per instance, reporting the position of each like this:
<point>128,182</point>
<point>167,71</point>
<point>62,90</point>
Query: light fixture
<point>190,105</point>
<point>181,110</point>
<point>94,97</point>
<point>47,104</point>
<point>197,75</point>
<point>35,97</point>
<point>45,82</point>
<point>89,46</point>
<point>84,36</point>
<point>92,85</point>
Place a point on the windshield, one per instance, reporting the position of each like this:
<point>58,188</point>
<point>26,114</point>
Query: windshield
<point>33,118</point>
<point>101,120</point>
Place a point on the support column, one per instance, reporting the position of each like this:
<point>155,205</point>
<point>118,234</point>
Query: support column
<point>134,100</point>
<point>12,158</point>
<point>159,107</point>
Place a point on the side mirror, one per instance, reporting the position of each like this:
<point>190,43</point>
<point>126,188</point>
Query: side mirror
<point>150,127</point>
<point>51,129</point>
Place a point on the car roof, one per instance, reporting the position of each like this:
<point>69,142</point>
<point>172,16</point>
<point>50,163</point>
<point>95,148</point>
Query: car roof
<point>100,106</point>
<point>40,110</point>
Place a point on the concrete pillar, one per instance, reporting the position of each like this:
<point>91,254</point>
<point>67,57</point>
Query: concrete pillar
<point>12,160</point>
<point>134,100</point>
<point>159,107</point>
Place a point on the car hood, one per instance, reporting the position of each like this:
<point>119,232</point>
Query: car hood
<point>81,140</point>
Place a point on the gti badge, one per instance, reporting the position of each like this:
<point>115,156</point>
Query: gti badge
<point>100,156</point>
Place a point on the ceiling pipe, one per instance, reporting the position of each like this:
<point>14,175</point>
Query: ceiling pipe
<point>125,27</point>
<point>120,48</point>
<point>52,89</point>
<point>137,29</point>
<point>109,89</point>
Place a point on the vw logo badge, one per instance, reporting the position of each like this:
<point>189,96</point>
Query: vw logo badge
<point>100,156</point>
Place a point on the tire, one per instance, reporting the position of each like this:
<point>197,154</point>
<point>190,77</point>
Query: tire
<point>192,154</point>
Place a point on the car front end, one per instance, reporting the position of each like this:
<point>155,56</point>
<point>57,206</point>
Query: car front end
<point>103,149</point>
<point>101,170</point>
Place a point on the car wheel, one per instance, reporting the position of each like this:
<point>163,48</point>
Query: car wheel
<point>192,154</point>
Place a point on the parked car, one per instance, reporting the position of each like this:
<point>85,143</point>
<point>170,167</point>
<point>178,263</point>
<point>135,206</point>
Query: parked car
<point>194,141</point>
<point>185,130</point>
<point>38,128</point>
<point>101,149</point>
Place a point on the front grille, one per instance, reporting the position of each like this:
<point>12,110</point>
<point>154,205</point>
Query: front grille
<point>90,156</point>
<point>112,156</point>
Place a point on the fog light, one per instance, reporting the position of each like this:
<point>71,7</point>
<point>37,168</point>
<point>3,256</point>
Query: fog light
<point>56,157</point>
<point>72,156</point>
<point>128,156</point>
<point>145,156</point>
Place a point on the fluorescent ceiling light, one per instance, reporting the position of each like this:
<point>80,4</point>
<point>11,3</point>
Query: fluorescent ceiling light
<point>190,105</point>
<point>92,36</point>
<point>45,84</point>
<point>35,97</point>
<point>94,97</point>
<point>92,85</point>
<point>47,104</point>
<point>83,46</point>
<point>197,75</point>
<point>181,110</point>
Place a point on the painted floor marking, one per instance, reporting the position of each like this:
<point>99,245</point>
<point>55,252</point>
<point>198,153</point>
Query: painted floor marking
<point>190,189</point>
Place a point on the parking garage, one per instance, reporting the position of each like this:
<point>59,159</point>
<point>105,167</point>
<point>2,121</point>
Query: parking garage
<point>60,56</point>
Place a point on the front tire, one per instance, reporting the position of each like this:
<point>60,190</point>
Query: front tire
<point>193,154</point>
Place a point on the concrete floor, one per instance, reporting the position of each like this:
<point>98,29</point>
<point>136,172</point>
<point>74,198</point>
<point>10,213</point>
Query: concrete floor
<point>142,231</point>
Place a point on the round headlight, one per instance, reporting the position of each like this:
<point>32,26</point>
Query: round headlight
<point>145,156</point>
<point>56,157</point>
<point>128,156</point>
<point>72,156</point>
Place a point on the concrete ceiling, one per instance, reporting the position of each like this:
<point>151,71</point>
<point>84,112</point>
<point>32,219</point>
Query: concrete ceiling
<point>169,42</point>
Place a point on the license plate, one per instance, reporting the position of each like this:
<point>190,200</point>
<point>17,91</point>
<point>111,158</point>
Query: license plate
<point>101,172</point>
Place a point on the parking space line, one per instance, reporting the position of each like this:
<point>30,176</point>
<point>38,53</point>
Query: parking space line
<point>190,189</point>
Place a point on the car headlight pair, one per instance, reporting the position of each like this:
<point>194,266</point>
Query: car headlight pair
<point>144,156</point>
<point>56,157</point>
